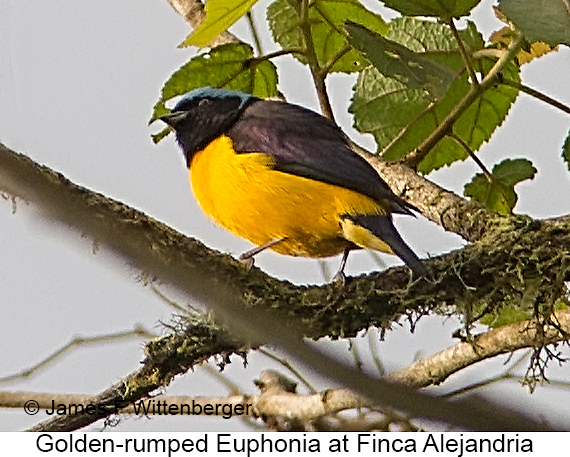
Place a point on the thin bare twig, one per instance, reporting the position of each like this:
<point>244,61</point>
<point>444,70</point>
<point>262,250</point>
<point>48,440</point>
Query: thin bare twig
<point>78,341</point>
<point>534,93</point>
<point>472,154</point>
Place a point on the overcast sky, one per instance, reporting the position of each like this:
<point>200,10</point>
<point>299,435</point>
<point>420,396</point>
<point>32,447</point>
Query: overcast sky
<point>77,84</point>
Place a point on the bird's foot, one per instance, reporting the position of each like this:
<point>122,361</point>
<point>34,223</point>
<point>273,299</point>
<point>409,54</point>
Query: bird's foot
<point>339,278</point>
<point>247,261</point>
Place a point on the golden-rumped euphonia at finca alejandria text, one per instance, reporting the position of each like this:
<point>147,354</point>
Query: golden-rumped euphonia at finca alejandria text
<point>285,178</point>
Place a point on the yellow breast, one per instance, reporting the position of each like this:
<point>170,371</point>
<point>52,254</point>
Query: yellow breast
<point>244,194</point>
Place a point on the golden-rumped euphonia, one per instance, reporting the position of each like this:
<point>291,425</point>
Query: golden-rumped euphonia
<point>285,178</point>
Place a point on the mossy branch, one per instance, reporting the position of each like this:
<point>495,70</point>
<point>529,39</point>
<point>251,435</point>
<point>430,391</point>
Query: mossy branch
<point>492,271</point>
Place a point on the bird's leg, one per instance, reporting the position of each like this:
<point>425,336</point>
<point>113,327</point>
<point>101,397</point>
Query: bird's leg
<point>247,256</point>
<point>339,276</point>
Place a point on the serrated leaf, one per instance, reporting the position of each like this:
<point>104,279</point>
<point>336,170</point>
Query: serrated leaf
<point>566,151</point>
<point>494,195</point>
<point>395,61</point>
<point>540,20</point>
<point>401,118</point>
<point>326,19</point>
<point>228,65</point>
<point>476,125</point>
<point>512,171</point>
<point>220,15</point>
<point>444,9</point>
<point>497,193</point>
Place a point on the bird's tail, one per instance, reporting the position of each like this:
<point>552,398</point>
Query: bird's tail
<point>378,232</point>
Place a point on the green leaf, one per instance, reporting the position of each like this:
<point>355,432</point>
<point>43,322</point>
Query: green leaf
<point>393,60</point>
<point>220,15</point>
<point>498,193</point>
<point>512,171</point>
<point>540,20</point>
<point>518,307</point>
<point>400,118</point>
<point>445,9</point>
<point>326,19</point>
<point>477,124</point>
<point>229,65</point>
<point>506,314</point>
<point>566,151</point>
<point>494,195</point>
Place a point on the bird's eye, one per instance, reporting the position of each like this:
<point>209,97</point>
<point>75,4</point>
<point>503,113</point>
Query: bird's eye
<point>204,102</point>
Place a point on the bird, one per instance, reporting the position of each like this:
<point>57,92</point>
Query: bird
<point>285,178</point>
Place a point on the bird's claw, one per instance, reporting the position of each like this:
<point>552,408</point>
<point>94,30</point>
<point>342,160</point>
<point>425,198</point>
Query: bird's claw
<point>247,261</point>
<point>339,278</point>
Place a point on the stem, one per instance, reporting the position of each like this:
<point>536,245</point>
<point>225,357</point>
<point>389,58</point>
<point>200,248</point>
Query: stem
<point>253,28</point>
<point>416,156</point>
<point>326,68</point>
<point>313,61</point>
<point>469,151</point>
<point>534,93</point>
<point>488,52</point>
<point>508,374</point>
<point>281,52</point>
<point>76,342</point>
<point>255,60</point>
<point>490,178</point>
<point>407,127</point>
<point>372,341</point>
<point>464,54</point>
<point>356,356</point>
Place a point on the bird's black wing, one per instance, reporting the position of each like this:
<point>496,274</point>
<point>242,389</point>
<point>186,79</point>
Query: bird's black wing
<point>307,144</point>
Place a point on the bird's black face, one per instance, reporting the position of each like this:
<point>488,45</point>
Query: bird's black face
<point>199,120</point>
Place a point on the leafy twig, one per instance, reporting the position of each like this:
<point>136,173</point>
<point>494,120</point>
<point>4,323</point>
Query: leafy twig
<point>475,92</point>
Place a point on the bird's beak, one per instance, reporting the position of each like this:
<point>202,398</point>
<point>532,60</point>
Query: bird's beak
<point>173,119</point>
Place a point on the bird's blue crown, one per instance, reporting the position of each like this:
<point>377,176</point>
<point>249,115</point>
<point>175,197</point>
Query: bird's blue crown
<point>210,92</point>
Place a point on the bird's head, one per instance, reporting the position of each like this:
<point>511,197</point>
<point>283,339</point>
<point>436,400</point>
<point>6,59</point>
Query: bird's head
<point>203,114</point>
